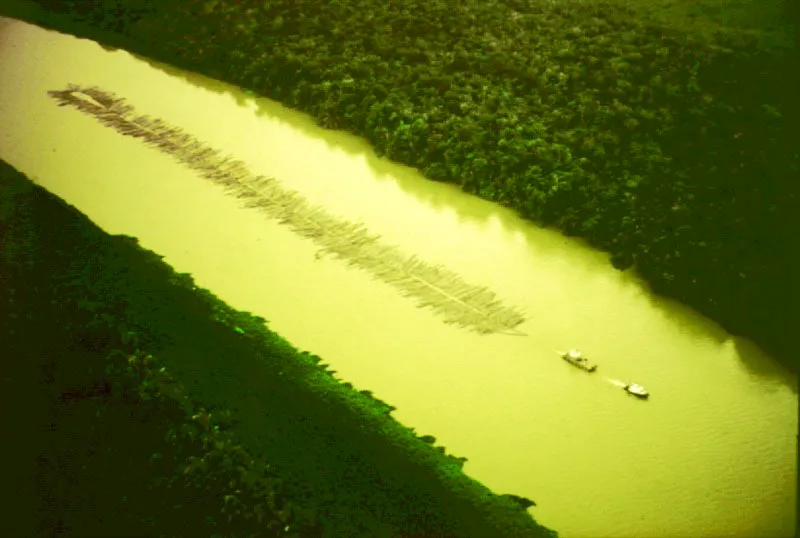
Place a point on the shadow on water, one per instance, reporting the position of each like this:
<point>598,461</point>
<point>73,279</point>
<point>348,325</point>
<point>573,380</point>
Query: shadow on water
<point>756,361</point>
<point>688,320</point>
<point>761,365</point>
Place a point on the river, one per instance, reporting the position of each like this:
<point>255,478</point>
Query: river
<point>712,453</point>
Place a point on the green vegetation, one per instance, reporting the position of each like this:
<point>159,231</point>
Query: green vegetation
<point>658,132</point>
<point>136,404</point>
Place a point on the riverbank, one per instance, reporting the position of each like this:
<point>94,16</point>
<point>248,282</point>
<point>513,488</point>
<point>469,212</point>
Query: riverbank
<point>133,418</point>
<point>640,138</point>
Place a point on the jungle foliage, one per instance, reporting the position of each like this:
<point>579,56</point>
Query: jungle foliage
<point>107,442</point>
<point>673,151</point>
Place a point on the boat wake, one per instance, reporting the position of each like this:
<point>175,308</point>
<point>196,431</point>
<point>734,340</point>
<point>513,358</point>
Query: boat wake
<point>617,382</point>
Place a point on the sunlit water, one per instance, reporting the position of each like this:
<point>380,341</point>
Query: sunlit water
<point>713,453</point>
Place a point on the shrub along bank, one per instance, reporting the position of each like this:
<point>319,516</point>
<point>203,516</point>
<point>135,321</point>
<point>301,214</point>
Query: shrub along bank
<point>141,405</point>
<point>673,152</point>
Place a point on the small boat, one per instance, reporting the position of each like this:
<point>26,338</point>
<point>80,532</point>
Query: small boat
<point>637,390</point>
<point>574,356</point>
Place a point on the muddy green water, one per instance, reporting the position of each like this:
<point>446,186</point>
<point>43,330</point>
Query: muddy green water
<point>713,453</point>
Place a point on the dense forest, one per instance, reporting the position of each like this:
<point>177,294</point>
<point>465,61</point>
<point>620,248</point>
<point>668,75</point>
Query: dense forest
<point>673,150</point>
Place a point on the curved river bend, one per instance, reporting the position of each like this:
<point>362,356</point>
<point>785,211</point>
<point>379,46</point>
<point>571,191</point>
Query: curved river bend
<point>713,453</point>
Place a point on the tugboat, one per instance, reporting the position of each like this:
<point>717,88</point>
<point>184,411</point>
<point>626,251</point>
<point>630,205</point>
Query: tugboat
<point>637,390</point>
<point>574,356</point>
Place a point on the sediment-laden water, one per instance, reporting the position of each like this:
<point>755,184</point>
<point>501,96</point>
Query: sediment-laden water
<point>713,453</point>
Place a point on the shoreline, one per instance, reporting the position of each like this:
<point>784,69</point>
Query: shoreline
<point>689,148</point>
<point>127,361</point>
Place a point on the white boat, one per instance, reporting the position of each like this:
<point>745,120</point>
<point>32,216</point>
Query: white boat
<point>637,390</point>
<point>573,356</point>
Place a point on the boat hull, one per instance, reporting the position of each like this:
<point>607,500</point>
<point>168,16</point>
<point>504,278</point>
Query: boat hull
<point>583,364</point>
<point>638,392</point>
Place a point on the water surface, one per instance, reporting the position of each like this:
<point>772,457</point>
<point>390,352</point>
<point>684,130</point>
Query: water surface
<point>713,453</point>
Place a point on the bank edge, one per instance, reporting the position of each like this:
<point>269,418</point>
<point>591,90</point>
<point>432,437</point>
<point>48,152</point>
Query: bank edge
<point>261,433</point>
<point>730,303</point>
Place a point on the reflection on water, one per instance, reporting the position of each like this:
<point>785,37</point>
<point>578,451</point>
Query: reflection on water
<point>712,454</point>
<point>766,370</point>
